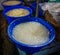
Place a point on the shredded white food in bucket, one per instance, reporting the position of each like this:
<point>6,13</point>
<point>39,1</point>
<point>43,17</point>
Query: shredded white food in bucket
<point>31,33</point>
<point>9,3</point>
<point>18,12</point>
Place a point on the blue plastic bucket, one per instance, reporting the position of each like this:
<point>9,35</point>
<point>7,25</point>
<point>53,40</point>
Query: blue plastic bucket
<point>7,6</point>
<point>40,12</point>
<point>30,48</point>
<point>10,19</point>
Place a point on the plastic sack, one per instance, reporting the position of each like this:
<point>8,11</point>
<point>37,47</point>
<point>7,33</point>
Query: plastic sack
<point>54,10</point>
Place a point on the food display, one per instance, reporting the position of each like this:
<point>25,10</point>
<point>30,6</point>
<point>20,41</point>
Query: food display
<point>18,12</point>
<point>9,3</point>
<point>27,32</point>
<point>31,33</point>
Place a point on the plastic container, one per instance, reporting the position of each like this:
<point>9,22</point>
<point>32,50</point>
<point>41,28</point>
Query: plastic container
<point>56,16</point>
<point>33,6</point>
<point>55,12</point>
<point>7,6</point>
<point>29,48</point>
<point>10,19</point>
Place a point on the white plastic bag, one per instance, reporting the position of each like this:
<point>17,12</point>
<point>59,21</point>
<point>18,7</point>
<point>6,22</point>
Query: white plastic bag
<point>54,9</point>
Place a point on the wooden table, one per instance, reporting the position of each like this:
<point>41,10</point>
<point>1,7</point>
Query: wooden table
<point>7,47</point>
